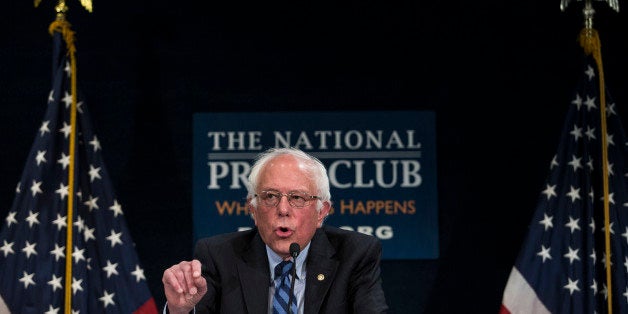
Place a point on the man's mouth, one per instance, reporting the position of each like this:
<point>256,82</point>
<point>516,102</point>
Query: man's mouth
<point>283,232</point>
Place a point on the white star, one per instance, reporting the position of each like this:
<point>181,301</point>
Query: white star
<point>572,255</point>
<point>575,163</point>
<point>107,299</point>
<point>625,235</point>
<point>572,286</point>
<point>36,188</point>
<point>594,286</point>
<point>43,129</point>
<point>547,221</point>
<point>88,234</point>
<point>115,238</point>
<point>138,273</point>
<point>609,139</point>
<point>55,282</point>
<point>40,157</point>
<point>611,231</point>
<point>116,208</point>
<point>576,132</point>
<point>51,96</point>
<point>610,169</point>
<point>66,130</point>
<point>110,268</point>
<point>68,69</point>
<point>574,194</point>
<point>590,133</point>
<point>573,224</point>
<point>626,294</point>
<point>79,223</point>
<point>27,279</point>
<point>95,143</point>
<point>11,219</point>
<point>610,109</point>
<point>611,200</point>
<point>64,160</point>
<point>590,167</point>
<point>91,203</point>
<point>52,310</point>
<point>79,107</point>
<point>58,252</point>
<point>544,253</point>
<point>550,190</point>
<point>78,254</point>
<point>62,191</point>
<point>76,285</point>
<point>577,101</point>
<point>29,249</point>
<point>590,103</point>
<point>93,173</point>
<point>67,99</point>
<point>554,162</point>
<point>32,218</point>
<point>7,248</point>
<point>590,72</point>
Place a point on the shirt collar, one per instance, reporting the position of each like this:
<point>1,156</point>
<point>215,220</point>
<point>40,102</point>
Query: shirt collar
<point>274,259</point>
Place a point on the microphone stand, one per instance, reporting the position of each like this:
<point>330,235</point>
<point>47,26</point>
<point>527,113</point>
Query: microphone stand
<point>294,251</point>
<point>294,275</point>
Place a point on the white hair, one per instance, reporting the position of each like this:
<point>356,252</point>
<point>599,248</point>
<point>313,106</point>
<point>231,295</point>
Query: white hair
<point>312,165</point>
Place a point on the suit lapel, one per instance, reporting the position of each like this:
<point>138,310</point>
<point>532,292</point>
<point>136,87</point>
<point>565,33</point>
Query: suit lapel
<point>254,276</point>
<point>321,269</point>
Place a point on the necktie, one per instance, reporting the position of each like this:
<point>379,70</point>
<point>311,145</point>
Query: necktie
<point>282,290</point>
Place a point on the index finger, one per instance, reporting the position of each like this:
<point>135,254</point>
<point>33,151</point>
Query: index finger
<point>191,276</point>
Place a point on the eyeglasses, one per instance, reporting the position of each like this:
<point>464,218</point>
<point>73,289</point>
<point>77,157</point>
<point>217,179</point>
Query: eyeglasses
<point>295,199</point>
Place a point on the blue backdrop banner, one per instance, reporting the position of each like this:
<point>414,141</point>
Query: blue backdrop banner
<point>381,165</point>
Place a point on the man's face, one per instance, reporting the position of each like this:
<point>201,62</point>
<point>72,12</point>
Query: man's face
<point>281,225</point>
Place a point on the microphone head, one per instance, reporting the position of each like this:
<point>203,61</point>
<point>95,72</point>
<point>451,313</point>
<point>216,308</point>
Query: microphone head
<point>295,249</point>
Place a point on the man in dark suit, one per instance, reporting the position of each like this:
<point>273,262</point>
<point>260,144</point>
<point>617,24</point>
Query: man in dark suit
<point>325,269</point>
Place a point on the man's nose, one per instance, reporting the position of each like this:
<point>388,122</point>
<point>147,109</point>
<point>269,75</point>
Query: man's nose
<point>284,206</point>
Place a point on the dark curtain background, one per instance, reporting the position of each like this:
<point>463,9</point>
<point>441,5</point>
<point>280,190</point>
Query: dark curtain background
<point>499,75</point>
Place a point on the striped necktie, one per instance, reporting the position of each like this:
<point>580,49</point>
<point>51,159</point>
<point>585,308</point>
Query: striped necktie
<point>282,290</point>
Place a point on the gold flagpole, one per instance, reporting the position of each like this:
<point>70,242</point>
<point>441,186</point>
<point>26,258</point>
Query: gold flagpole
<point>590,41</point>
<point>62,26</point>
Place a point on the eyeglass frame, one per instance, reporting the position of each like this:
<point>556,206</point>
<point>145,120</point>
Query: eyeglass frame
<point>288,195</point>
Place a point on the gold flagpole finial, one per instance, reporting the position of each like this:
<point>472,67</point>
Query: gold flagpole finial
<point>87,4</point>
<point>588,12</point>
<point>61,8</point>
<point>614,4</point>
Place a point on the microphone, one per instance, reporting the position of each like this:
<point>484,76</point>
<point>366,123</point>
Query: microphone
<point>295,249</point>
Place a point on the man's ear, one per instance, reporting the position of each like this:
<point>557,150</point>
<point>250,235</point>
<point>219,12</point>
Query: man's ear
<point>250,208</point>
<point>323,213</point>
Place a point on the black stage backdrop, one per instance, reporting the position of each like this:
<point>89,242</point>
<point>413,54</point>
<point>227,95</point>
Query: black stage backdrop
<point>498,75</point>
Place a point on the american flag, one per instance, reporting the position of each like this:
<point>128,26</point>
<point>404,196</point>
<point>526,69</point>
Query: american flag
<point>561,267</point>
<point>105,275</point>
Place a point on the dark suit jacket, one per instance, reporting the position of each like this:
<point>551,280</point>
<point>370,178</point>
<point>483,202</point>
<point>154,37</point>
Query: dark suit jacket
<point>343,273</point>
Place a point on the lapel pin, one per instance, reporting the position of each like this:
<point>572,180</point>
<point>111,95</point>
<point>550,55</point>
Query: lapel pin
<point>320,277</point>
